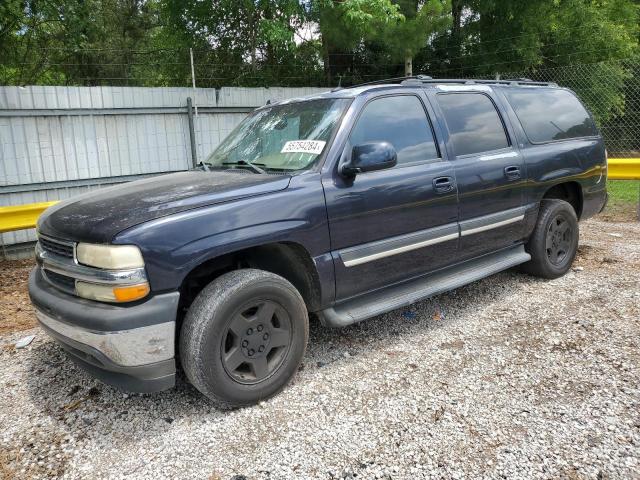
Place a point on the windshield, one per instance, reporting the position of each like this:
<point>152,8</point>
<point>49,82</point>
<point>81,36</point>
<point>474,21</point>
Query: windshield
<point>282,138</point>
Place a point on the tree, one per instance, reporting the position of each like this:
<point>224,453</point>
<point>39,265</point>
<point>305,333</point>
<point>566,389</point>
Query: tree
<point>490,36</point>
<point>422,19</point>
<point>345,24</point>
<point>72,42</point>
<point>258,42</point>
<point>240,42</point>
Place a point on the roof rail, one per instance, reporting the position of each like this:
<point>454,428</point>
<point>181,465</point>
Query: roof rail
<point>425,79</point>
<point>390,80</point>
<point>528,81</point>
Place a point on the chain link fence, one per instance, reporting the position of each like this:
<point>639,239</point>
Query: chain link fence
<point>611,91</point>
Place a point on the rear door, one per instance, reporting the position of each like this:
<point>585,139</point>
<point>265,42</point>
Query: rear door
<point>489,169</point>
<point>390,225</point>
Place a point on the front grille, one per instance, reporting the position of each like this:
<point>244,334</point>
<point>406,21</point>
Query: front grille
<point>61,281</point>
<point>57,248</point>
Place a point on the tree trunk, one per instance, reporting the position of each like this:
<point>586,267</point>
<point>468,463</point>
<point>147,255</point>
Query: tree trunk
<point>456,34</point>
<point>325,59</point>
<point>408,66</point>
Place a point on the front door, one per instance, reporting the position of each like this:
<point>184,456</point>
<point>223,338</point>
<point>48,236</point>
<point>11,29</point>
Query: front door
<point>489,169</point>
<point>389,225</point>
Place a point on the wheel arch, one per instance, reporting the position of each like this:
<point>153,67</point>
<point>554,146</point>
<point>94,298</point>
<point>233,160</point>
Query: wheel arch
<point>570,192</point>
<point>290,260</point>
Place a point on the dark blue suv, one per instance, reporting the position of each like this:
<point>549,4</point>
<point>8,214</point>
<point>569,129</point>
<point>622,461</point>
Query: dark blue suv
<point>346,204</point>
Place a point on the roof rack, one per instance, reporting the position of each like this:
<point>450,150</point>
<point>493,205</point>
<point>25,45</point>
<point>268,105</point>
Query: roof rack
<point>391,80</point>
<point>425,79</point>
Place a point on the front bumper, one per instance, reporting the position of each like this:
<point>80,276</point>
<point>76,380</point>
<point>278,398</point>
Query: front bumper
<point>131,347</point>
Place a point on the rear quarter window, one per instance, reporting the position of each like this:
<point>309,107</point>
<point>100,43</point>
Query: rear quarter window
<point>549,115</point>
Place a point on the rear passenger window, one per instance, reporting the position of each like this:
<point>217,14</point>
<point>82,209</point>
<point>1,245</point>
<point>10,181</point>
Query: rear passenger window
<point>550,114</point>
<point>402,122</point>
<point>473,122</point>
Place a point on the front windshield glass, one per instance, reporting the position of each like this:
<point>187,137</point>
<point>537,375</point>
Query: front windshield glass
<point>282,138</point>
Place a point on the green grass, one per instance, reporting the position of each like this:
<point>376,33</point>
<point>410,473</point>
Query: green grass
<point>624,191</point>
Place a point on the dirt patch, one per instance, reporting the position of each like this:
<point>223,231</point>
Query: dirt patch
<point>622,212</point>
<point>16,312</point>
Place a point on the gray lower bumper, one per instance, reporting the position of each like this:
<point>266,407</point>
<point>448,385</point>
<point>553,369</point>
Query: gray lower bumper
<point>128,348</point>
<point>137,355</point>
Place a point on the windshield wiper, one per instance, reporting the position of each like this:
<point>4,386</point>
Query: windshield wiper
<point>205,166</point>
<point>244,163</point>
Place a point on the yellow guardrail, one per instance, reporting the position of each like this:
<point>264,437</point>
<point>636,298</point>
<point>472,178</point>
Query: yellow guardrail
<point>624,169</point>
<point>20,217</point>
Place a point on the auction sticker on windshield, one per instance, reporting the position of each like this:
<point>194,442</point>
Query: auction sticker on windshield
<point>303,146</point>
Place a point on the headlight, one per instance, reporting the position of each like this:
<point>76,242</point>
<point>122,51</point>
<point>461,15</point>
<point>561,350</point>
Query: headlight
<point>112,293</point>
<point>113,257</point>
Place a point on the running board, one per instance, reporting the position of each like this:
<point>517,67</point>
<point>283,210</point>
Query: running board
<point>397,296</point>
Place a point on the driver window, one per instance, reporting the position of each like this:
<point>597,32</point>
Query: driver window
<point>401,121</point>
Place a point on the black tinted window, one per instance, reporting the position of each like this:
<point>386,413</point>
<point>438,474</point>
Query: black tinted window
<point>402,122</point>
<point>550,114</point>
<point>473,122</point>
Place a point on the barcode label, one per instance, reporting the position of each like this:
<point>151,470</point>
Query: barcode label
<point>304,146</point>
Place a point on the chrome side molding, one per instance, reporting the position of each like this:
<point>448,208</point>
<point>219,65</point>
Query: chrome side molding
<point>388,247</point>
<point>494,220</point>
<point>369,252</point>
<point>491,226</point>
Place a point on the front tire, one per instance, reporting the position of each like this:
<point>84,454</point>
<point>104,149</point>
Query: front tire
<point>554,242</point>
<point>244,337</point>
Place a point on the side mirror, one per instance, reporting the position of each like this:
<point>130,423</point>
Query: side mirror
<point>368,157</point>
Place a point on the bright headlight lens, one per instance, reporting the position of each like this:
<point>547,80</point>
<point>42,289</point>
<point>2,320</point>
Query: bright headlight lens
<point>112,293</point>
<point>113,257</point>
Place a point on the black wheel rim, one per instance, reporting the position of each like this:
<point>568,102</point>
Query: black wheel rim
<point>256,341</point>
<point>559,240</point>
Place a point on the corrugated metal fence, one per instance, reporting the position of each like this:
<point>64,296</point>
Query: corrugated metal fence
<point>57,142</point>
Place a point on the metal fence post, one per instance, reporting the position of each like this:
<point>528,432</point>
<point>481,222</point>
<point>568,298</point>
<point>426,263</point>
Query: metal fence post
<point>192,133</point>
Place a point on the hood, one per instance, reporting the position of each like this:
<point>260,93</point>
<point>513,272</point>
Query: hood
<point>100,215</point>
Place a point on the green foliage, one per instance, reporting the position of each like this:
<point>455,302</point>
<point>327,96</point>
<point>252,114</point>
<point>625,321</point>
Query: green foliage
<point>237,42</point>
<point>347,23</point>
<point>315,42</point>
<point>421,21</point>
<point>71,42</point>
<point>507,35</point>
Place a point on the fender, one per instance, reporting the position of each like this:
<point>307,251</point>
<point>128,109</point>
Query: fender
<point>578,160</point>
<point>173,245</point>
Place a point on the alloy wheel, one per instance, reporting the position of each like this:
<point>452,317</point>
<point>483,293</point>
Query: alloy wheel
<point>558,240</point>
<point>256,341</point>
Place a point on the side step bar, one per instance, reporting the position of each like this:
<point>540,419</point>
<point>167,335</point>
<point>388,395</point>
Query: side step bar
<point>397,296</point>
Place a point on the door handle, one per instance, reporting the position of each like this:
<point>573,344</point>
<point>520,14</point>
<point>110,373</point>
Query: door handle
<point>512,172</point>
<point>443,184</point>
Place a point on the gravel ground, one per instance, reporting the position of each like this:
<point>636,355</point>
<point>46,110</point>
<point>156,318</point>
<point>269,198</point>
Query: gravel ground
<point>509,377</point>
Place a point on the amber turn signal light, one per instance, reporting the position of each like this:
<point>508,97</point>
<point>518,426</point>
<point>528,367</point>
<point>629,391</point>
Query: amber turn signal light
<point>112,293</point>
<point>131,292</point>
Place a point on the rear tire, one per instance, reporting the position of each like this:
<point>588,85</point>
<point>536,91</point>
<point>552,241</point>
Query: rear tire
<point>554,242</point>
<point>244,337</point>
